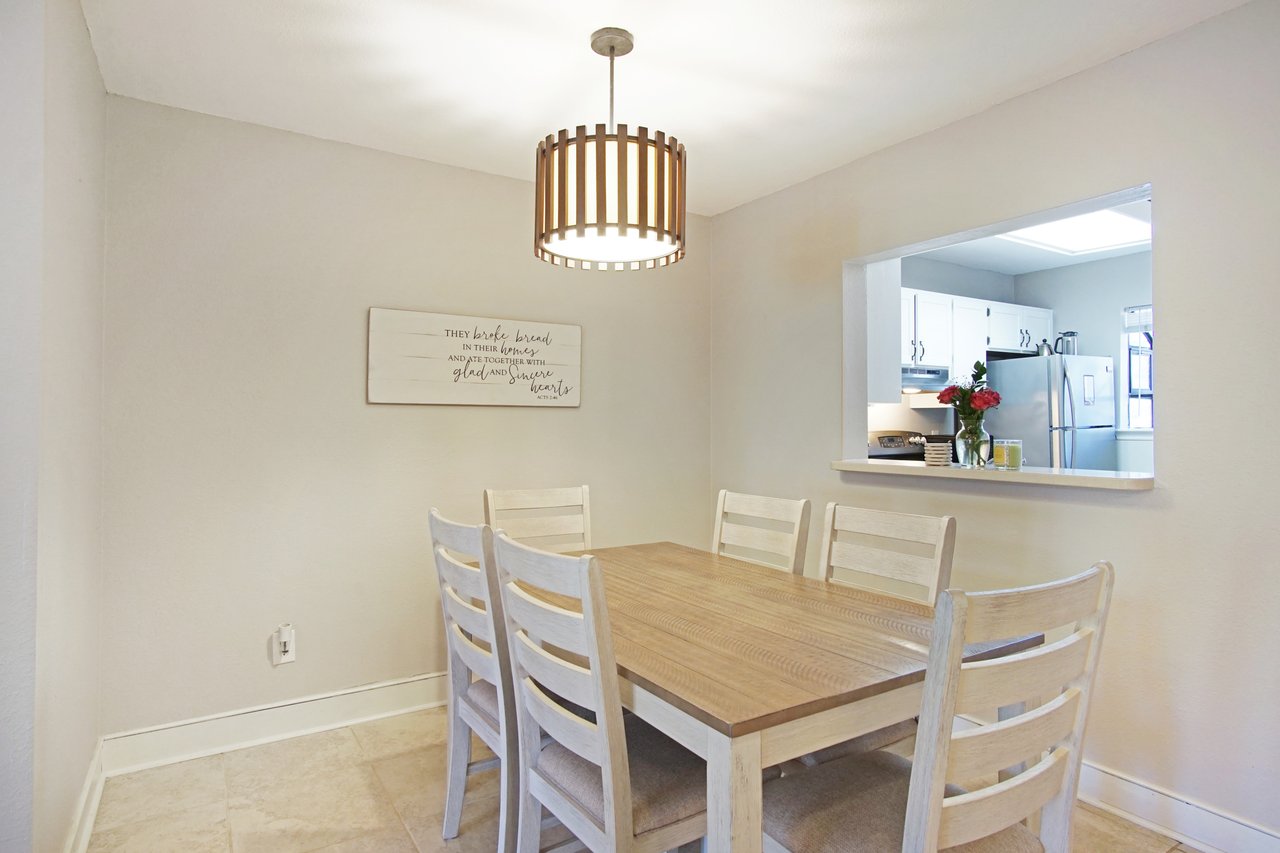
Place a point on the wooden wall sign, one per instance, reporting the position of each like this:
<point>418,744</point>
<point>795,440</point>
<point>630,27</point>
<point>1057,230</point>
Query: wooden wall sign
<point>416,357</point>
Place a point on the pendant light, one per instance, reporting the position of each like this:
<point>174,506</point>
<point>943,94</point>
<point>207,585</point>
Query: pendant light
<point>610,199</point>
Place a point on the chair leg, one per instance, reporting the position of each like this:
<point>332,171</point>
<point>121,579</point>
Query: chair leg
<point>509,806</point>
<point>456,787</point>
<point>530,822</point>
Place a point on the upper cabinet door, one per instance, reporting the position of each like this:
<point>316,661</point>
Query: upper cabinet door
<point>968,336</point>
<point>933,328</point>
<point>1039,325</point>
<point>908,326</point>
<point>1005,327</point>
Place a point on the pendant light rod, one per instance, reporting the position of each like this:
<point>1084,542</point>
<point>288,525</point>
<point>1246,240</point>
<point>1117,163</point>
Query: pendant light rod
<point>612,42</point>
<point>611,58</point>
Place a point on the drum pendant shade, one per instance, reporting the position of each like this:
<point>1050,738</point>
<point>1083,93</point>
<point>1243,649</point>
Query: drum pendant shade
<point>609,200</point>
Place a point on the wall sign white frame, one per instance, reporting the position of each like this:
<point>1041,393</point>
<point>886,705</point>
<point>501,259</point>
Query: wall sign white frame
<point>447,359</point>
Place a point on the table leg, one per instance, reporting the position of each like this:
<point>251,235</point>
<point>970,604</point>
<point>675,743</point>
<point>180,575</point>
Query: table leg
<point>734,791</point>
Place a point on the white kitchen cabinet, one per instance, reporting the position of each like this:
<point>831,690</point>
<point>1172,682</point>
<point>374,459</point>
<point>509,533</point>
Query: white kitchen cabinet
<point>1018,328</point>
<point>909,348</point>
<point>1039,325</point>
<point>968,335</point>
<point>926,328</point>
<point>933,328</point>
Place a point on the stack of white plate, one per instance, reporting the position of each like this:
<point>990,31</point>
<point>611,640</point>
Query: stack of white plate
<point>937,453</point>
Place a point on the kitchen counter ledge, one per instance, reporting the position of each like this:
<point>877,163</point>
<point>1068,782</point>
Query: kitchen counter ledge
<point>1070,478</point>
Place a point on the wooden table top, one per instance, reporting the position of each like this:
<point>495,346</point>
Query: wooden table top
<point>742,647</point>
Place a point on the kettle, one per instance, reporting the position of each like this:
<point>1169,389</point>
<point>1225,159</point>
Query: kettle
<point>1066,343</point>
<point>1044,347</point>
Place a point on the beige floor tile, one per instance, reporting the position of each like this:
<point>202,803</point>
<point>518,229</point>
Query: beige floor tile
<point>1186,848</point>
<point>199,830</point>
<point>416,784</point>
<point>312,811</point>
<point>394,841</point>
<point>149,794</point>
<point>397,735</point>
<point>286,762</point>
<point>478,832</point>
<point>1096,830</point>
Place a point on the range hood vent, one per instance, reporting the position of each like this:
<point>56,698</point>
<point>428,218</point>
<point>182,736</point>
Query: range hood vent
<point>919,377</point>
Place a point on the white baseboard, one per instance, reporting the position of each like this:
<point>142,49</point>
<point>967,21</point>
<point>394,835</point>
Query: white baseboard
<point>138,750</point>
<point>1198,824</point>
<point>86,806</point>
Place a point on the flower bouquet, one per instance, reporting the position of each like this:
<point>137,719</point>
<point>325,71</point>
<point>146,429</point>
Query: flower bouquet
<point>971,400</point>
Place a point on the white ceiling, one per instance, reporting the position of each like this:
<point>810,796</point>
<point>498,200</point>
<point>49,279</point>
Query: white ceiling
<point>1005,256</point>
<point>764,94</point>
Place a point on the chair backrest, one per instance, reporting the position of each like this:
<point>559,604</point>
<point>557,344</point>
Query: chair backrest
<point>555,520</point>
<point>475,632</point>
<point>770,531</point>
<point>558,631</point>
<point>909,549</point>
<point>1042,696</point>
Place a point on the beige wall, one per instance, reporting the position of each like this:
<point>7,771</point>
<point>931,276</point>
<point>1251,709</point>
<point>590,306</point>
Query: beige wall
<point>21,170</point>
<point>248,483</point>
<point>1187,692</point>
<point>70,506</point>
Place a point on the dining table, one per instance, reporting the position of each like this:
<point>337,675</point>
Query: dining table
<point>749,666</point>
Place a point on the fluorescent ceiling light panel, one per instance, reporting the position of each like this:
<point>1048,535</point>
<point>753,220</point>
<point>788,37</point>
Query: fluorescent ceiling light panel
<point>1080,235</point>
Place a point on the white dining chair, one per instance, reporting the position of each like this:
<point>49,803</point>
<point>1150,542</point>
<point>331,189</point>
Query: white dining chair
<point>480,687</point>
<point>771,532</point>
<point>616,785</point>
<point>882,802</point>
<point>913,552</point>
<point>556,520</point>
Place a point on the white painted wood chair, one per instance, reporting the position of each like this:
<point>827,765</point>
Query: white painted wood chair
<point>480,693</point>
<point>772,532</point>
<point>859,542</point>
<point>617,785</point>
<point>556,520</point>
<point>882,802</point>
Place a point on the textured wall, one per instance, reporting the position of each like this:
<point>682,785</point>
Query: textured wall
<point>1186,698</point>
<point>247,481</point>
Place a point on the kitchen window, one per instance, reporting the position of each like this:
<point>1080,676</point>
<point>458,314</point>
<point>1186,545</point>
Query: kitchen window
<point>1140,339</point>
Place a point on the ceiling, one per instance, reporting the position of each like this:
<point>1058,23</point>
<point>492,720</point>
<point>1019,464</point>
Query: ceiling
<point>764,94</point>
<point>1004,256</point>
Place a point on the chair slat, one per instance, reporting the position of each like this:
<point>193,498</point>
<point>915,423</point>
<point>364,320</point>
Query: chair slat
<point>978,752</point>
<point>890,525</point>
<point>557,675</point>
<point>474,620</point>
<point>570,731</point>
<point>1016,613</point>
<point>548,525</point>
<point>476,659</point>
<point>534,498</point>
<point>467,580</point>
<point>555,625</point>
<point>1043,671</point>
<point>544,571</point>
<point>911,568</point>
<point>775,509</point>
<point>968,817</point>
<point>757,538</point>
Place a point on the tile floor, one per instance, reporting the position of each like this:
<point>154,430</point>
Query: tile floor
<point>371,788</point>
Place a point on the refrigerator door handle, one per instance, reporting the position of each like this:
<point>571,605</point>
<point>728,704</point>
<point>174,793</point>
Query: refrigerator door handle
<point>1071,400</point>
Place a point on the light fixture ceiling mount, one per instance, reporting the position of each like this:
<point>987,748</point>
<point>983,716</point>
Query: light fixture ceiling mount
<point>609,199</point>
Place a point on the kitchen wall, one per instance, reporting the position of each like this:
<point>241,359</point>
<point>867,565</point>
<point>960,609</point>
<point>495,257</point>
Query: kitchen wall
<point>248,483</point>
<point>944,277</point>
<point>69,613</point>
<point>1090,299</point>
<point>1184,700</point>
<point>21,175</point>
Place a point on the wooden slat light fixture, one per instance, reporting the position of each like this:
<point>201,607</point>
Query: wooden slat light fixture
<point>610,199</point>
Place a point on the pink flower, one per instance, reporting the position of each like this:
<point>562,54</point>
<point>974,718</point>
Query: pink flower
<point>984,399</point>
<point>948,394</point>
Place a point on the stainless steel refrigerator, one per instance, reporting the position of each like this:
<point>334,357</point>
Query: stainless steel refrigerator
<point>1062,407</point>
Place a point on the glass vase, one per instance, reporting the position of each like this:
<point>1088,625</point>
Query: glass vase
<point>973,444</point>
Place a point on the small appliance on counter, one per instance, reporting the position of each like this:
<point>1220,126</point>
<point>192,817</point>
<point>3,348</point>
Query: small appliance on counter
<point>1068,343</point>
